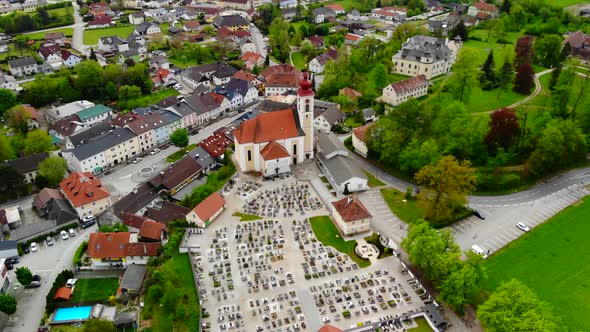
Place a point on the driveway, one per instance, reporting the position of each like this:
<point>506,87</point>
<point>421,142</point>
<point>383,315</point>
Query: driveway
<point>47,262</point>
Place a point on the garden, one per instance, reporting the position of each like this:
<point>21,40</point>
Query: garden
<point>91,36</point>
<point>95,289</point>
<point>327,233</point>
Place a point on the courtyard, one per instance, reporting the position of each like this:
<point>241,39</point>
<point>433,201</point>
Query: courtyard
<point>275,274</point>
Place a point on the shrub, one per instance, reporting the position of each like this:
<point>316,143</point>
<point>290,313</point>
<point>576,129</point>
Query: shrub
<point>79,253</point>
<point>346,314</point>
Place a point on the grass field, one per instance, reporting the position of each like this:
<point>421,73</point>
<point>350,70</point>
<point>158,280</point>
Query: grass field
<point>553,261</point>
<point>246,217</point>
<point>145,100</point>
<point>298,60</point>
<point>61,12</point>
<point>373,181</point>
<point>40,35</point>
<point>327,233</point>
<point>91,36</point>
<point>408,211</point>
<point>98,289</point>
<point>179,292</point>
<point>180,153</point>
<point>422,326</point>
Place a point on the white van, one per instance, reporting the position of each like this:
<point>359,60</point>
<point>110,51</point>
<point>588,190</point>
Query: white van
<point>478,250</point>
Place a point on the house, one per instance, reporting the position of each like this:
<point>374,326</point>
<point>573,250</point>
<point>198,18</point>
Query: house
<point>402,91</point>
<point>167,212</point>
<point>327,119</point>
<point>316,41</point>
<point>238,36</point>
<point>280,79</point>
<point>136,18</point>
<point>354,15</point>
<point>236,4</point>
<point>425,55</point>
<point>23,66</point>
<point>4,277</point>
<point>191,26</point>
<point>98,8</point>
<point>70,59</point>
<point>351,39</point>
<point>210,11</point>
<point>106,249</point>
<point>445,25</point>
<point>580,45</point>
<point>85,193</point>
<point>216,145</point>
<point>28,166</point>
<point>203,158</point>
<point>135,201</point>
<point>252,59</point>
<point>57,38</point>
<point>163,77</point>
<point>318,64</point>
<point>390,13</point>
<point>231,22</point>
<point>51,204</point>
<point>332,158</point>
<point>350,93</point>
<point>9,82</point>
<point>359,139</point>
<point>159,61</point>
<point>101,21</point>
<point>288,13</point>
<point>10,218</point>
<point>8,249</point>
<point>152,231</point>
<point>323,14</point>
<point>337,8</point>
<point>176,176</point>
<point>483,8</point>
<point>166,124</point>
<point>247,76</point>
<point>248,46</point>
<point>246,89</point>
<point>69,109</point>
<point>63,128</point>
<point>146,29</point>
<point>95,114</point>
<point>206,212</point>
<point>263,146</point>
<point>351,216</point>
<point>112,44</point>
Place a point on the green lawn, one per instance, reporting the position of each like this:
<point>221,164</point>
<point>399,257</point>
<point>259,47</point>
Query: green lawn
<point>299,60</point>
<point>422,326</point>
<point>61,12</point>
<point>91,36</point>
<point>408,211</point>
<point>177,308</point>
<point>553,261</point>
<point>347,4</point>
<point>246,217</point>
<point>180,153</point>
<point>480,100</point>
<point>40,35</point>
<point>97,289</point>
<point>327,233</point>
<point>145,100</point>
<point>373,181</point>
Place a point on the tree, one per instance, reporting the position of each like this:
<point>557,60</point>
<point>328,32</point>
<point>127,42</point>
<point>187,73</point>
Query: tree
<point>505,76</point>
<point>179,138</point>
<point>6,151</point>
<point>24,275</point>
<point>554,77</point>
<point>98,325</point>
<point>7,100</point>
<point>505,8</point>
<point>279,39</point>
<point>377,77</point>
<point>524,79</point>
<point>514,307</point>
<point>89,81</point>
<point>92,55</point>
<point>17,118</point>
<point>12,183</point>
<point>523,51</point>
<point>464,284</point>
<point>465,74</point>
<point>503,129</point>
<point>416,155</point>
<point>37,141</point>
<point>7,304</point>
<point>487,76</point>
<point>459,30</point>
<point>548,50</point>
<point>445,186</point>
<point>53,169</point>
<point>129,92</point>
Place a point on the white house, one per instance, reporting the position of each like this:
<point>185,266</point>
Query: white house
<point>206,212</point>
<point>351,216</point>
<point>359,139</point>
<point>85,193</point>
<point>51,54</point>
<point>8,82</point>
<point>23,66</point>
<point>95,114</point>
<point>70,59</point>
<point>68,109</point>
<point>136,18</point>
<point>402,91</point>
<point>425,55</point>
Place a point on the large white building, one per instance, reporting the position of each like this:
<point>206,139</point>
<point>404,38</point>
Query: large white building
<point>271,142</point>
<point>425,55</point>
<point>86,194</point>
<point>402,91</point>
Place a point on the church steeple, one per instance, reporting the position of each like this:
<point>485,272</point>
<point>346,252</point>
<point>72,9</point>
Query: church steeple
<point>305,105</point>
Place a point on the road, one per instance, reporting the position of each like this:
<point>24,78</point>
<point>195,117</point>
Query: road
<point>78,34</point>
<point>538,89</point>
<point>258,40</point>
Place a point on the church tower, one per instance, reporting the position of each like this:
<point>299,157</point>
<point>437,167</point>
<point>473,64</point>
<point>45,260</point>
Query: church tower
<point>305,99</point>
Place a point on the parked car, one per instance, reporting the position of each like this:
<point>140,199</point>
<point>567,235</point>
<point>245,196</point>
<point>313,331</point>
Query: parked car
<point>64,235</point>
<point>71,282</point>
<point>87,221</point>
<point>13,260</point>
<point>9,266</point>
<point>72,232</point>
<point>49,241</point>
<point>36,282</point>
<point>523,227</point>
<point>136,160</point>
<point>26,249</point>
<point>34,247</point>
<point>478,215</point>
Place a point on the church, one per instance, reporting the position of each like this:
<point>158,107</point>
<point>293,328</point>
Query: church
<point>273,141</point>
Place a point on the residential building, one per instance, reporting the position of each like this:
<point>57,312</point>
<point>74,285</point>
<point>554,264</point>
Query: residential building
<point>316,41</point>
<point>483,7</point>
<point>146,29</point>
<point>52,205</point>
<point>170,121</point>
<point>337,8</point>
<point>23,66</point>
<point>206,212</point>
<point>404,90</point>
<point>176,176</point>
<point>109,250</point>
<point>390,13</point>
<point>167,212</point>
<point>28,166</point>
<point>70,59</point>
<point>318,64</point>
<point>263,146</point>
<point>138,253</point>
<point>4,277</point>
<point>236,4</point>
<point>8,82</point>
<point>232,22</point>
<point>288,13</point>
<point>85,193</point>
<point>351,216</point>
<point>350,93</point>
<point>248,46</point>
<point>8,248</point>
<point>323,14</point>
<point>51,54</point>
<point>191,26</point>
<point>359,139</point>
<point>112,44</point>
<point>136,18</point>
<point>153,231</point>
<point>95,114</point>
<point>69,109</point>
<point>203,158</point>
<point>425,55</point>
<point>280,79</point>
<point>580,45</point>
<point>33,121</point>
<point>327,119</point>
<point>341,173</point>
<point>144,127</point>
<point>98,8</point>
<point>55,37</point>
<point>246,89</point>
<point>88,134</point>
<point>66,127</point>
<point>10,218</point>
<point>369,115</point>
<point>101,21</point>
<point>216,145</point>
<point>252,59</point>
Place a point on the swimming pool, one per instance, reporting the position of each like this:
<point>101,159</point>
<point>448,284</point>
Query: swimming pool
<point>72,314</point>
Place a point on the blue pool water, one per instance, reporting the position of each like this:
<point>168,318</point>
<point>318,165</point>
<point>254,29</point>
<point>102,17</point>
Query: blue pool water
<point>67,314</point>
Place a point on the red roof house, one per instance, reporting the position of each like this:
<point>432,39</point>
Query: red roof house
<point>204,213</point>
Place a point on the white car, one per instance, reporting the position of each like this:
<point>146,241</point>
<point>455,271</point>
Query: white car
<point>136,160</point>
<point>154,151</point>
<point>523,227</point>
<point>71,282</point>
<point>72,232</point>
<point>326,319</point>
<point>64,235</point>
<point>34,247</point>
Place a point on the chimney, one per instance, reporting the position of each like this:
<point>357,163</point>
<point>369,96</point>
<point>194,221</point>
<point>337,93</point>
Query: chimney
<point>349,200</point>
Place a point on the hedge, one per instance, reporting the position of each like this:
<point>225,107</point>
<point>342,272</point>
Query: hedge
<point>60,281</point>
<point>79,253</point>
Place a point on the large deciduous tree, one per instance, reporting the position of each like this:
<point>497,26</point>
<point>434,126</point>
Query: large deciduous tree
<point>17,118</point>
<point>7,100</point>
<point>90,80</point>
<point>445,186</point>
<point>465,74</point>
<point>6,151</point>
<point>524,81</point>
<point>514,307</point>
<point>12,183</point>
<point>53,169</point>
<point>503,129</point>
<point>37,141</point>
<point>179,138</point>
<point>464,284</point>
<point>548,50</point>
<point>523,51</point>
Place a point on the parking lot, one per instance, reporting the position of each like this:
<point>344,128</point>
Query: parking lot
<point>272,274</point>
